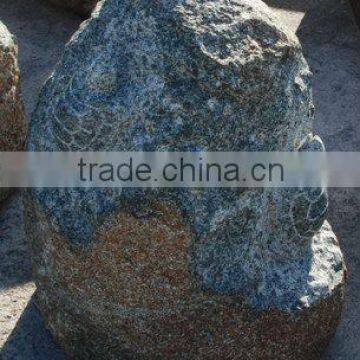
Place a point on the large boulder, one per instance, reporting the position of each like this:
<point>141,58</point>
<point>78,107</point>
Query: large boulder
<point>12,115</point>
<point>82,7</point>
<point>183,273</point>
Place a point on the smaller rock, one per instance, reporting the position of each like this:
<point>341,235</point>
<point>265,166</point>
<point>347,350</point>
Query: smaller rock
<point>12,115</point>
<point>82,7</point>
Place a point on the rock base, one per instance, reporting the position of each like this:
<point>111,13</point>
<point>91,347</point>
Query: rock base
<point>233,331</point>
<point>132,295</point>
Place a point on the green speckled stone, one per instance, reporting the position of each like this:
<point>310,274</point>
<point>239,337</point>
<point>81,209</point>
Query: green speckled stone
<point>82,7</point>
<point>183,273</point>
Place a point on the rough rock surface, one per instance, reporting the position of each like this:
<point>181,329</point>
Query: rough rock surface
<point>82,7</point>
<point>198,273</point>
<point>12,115</point>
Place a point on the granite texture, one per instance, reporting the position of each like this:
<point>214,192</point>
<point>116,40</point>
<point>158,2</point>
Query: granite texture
<point>82,7</point>
<point>12,113</point>
<point>194,272</point>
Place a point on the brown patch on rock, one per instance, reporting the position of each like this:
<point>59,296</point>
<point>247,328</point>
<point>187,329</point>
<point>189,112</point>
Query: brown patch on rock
<point>132,296</point>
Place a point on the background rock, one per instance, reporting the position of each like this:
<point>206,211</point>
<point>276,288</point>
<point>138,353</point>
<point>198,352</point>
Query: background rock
<point>12,117</point>
<point>156,77</point>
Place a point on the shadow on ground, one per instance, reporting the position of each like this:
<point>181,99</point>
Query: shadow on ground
<point>292,5</point>
<point>30,340</point>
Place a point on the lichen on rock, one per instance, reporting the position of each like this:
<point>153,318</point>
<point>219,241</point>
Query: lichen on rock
<point>197,272</point>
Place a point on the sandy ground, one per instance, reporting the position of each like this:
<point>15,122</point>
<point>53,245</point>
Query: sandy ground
<point>331,43</point>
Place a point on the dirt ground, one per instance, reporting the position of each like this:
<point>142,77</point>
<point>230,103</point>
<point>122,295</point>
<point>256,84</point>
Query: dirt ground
<point>331,43</point>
